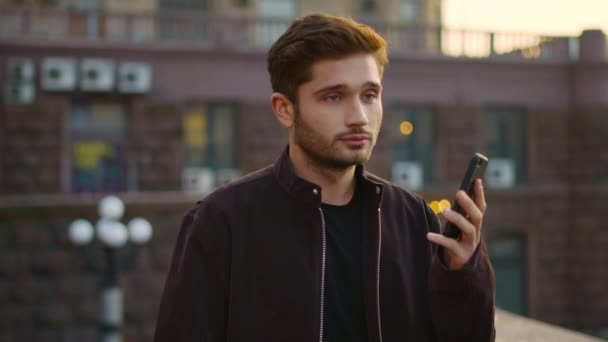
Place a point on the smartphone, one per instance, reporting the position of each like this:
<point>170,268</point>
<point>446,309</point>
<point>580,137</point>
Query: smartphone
<point>477,167</point>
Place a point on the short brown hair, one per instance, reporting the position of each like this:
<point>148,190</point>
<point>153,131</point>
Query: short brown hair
<point>316,37</point>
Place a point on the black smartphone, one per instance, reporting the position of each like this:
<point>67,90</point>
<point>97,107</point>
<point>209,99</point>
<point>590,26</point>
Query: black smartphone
<point>475,170</point>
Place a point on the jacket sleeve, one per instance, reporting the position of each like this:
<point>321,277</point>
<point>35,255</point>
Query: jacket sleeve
<point>194,303</point>
<point>462,302</point>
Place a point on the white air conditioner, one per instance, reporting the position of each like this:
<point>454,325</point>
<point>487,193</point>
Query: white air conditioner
<point>97,75</point>
<point>198,180</point>
<point>22,93</point>
<point>500,173</point>
<point>408,175</point>
<point>20,70</point>
<point>225,176</point>
<point>58,74</point>
<point>134,78</point>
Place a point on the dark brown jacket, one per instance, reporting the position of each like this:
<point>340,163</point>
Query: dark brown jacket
<point>249,261</point>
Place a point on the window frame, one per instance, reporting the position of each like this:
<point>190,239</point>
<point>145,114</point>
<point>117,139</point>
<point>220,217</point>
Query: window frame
<point>400,112</point>
<point>523,239</point>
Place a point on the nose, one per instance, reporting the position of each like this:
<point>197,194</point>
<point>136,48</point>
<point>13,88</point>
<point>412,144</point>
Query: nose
<point>357,114</point>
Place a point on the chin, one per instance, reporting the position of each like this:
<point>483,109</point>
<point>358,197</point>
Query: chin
<point>358,157</point>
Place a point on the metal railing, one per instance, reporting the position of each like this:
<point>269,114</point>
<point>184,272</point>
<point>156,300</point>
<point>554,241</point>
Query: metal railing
<point>192,29</point>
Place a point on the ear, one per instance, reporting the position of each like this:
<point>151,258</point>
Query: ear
<point>283,108</point>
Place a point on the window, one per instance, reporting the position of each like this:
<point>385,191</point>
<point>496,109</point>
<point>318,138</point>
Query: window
<point>505,130</point>
<point>509,260</point>
<point>183,21</point>
<point>368,8</point>
<point>274,19</point>
<point>80,4</point>
<point>184,4</point>
<point>98,155</point>
<point>210,136</point>
<point>413,146</point>
<point>410,11</point>
<point>211,144</point>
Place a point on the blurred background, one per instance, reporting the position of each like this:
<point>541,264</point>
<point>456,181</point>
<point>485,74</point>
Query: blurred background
<point>161,101</point>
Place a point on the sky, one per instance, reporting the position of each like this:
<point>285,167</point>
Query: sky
<point>552,17</point>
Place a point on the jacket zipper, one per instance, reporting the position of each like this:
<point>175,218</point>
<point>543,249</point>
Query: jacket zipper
<point>323,256</point>
<point>378,273</point>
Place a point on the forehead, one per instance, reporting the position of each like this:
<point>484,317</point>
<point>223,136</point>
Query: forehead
<point>354,70</point>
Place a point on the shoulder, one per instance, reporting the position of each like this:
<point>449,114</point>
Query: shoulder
<point>241,190</point>
<point>395,193</point>
<point>214,213</point>
<point>399,200</point>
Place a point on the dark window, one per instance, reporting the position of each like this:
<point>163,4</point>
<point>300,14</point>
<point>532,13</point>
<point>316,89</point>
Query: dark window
<point>184,4</point>
<point>211,145</point>
<point>508,255</point>
<point>413,141</point>
<point>98,154</point>
<point>210,136</point>
<point>505,130</point>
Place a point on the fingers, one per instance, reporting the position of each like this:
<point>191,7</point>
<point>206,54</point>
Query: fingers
<point>470,223</point>
<point>445,242</point>
<point>456,254</point>
<point>479,195</point>
<point>467,229</point>
<point>470,208</point>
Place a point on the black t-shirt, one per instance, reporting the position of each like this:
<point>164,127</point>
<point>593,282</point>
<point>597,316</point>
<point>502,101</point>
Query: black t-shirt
<point>344,318</point>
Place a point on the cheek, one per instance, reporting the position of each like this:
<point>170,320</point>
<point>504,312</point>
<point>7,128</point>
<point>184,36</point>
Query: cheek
<point>320,117</point>
<point>375,116</point>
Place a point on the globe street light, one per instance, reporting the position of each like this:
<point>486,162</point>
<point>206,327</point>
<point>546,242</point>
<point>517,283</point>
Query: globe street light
<point>111,254</point>
<point>81,232</point>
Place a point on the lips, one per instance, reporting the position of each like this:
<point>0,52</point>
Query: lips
<point>355,137</point>
<point>355,140</point>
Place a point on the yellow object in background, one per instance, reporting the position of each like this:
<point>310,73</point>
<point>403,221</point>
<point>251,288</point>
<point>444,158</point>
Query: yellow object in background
<point>439,206</point>
<point>435,206</point>
<point>195,129</point>
<point>444,204</point>
<point>406,128</point>
<point>88,154</point>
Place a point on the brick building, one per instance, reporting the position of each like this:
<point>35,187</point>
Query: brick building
<point>162,105</point>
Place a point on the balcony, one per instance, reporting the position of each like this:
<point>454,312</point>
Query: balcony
<point>188,29</point>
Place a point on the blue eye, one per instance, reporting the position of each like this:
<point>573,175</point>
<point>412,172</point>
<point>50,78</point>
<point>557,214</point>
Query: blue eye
<point>332,98</point>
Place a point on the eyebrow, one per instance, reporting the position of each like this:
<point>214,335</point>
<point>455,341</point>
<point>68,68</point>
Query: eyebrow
<point>337,87</point>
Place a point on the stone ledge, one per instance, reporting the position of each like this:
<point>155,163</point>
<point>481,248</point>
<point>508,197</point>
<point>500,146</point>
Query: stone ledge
<point>514,328</point>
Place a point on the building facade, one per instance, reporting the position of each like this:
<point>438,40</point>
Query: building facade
<point>162,105</point>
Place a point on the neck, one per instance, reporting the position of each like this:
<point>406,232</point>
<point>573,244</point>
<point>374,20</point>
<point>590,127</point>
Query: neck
<point>338,185</point>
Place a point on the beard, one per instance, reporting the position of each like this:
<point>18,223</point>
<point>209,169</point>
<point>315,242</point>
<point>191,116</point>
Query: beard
<point>328,152</point>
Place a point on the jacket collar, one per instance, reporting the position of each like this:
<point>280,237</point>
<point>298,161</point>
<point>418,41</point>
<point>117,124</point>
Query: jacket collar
<point>311,192</point>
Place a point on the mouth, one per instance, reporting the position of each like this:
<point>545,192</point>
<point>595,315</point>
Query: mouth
<point>355,140</point>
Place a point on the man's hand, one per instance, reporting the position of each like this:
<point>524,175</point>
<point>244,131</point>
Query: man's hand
<point>460,251</point>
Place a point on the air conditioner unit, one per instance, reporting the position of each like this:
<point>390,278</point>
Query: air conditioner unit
<point>58,74</point>
<point>22,93</point>
<point>408,175</point>
<point>198,180</point>
<point>97,75</point>
<point>20,70</point>
<point>134,78</point>
<point>225,176</point>
<point>500,173</point>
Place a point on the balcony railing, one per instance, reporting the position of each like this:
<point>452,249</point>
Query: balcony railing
<point>196,29</point>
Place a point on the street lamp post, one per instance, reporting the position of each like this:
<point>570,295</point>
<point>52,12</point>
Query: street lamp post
<point>111,255</point>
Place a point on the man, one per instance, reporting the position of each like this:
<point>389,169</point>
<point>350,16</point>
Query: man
<point>315,248</point>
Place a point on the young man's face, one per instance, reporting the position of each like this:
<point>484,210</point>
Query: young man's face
<point>339,112</point>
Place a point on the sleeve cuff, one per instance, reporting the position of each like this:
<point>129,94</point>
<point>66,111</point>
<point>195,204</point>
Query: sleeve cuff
<point>445,280</point>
